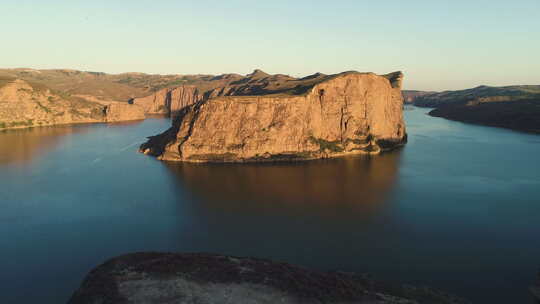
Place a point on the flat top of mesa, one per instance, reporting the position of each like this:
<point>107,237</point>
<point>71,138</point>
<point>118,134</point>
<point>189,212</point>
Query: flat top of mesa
<point>260,83</point>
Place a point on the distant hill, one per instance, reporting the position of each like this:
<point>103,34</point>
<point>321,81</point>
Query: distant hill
<point>479,94</point>
<point>119,87</point>
<point>513,107</point>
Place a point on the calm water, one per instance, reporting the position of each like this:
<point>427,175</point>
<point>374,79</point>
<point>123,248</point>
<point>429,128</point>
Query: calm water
<point>458,209</point>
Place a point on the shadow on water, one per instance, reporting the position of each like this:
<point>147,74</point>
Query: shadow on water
<point>357,184</point>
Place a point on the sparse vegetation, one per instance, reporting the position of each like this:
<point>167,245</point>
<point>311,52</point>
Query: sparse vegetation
<point>358,141</point>
<point>25,123</point>
<point>97,113</point>
<point>44,108</point>
<point>161,108</point>
<point>286,156</point>
<point>235,147</point>
<point>333,146</point>
<point>5,80</point>
<point>211,157</point>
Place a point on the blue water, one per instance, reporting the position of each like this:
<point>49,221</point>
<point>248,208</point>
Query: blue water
<point>458,208</point>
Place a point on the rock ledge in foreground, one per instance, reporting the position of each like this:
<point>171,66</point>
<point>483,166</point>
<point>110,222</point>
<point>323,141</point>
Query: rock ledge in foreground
<point>206,278</point>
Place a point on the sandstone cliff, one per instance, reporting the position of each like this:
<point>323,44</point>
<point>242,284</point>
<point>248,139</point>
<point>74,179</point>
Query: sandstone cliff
<point>120,111</point>
<point>169,278</point>
<point>169,100</point>
<point>26,105</point>
<point>314,117</point>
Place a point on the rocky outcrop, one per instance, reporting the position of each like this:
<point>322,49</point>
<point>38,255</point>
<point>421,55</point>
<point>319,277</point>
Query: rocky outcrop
<point>169,100</point>
<point>535,289</point>
<point>168,278</point>
<point>308,118</point>
<point>27,105</point>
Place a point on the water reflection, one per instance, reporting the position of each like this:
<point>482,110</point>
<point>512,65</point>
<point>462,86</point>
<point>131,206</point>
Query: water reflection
<point>356,183</point>
<point>128,122</point>
<point>19,146</point>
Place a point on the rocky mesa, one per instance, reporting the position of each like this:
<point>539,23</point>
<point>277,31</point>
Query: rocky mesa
<point>269,118</point>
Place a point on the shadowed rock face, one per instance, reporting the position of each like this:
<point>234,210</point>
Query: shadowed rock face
<point>205,278</point>
<point>327,116</point>
<point>535,289</point>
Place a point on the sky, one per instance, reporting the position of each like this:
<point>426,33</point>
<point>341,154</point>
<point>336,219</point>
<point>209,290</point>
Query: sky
<point>439,45</point>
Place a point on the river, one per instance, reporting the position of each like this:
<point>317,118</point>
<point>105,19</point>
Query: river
<point>457,209</point>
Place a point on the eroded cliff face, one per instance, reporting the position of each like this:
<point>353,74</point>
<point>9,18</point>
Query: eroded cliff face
<point>24,105</point>
<point>342,114</point>
<point>169,100</point>
<point>119,111</point>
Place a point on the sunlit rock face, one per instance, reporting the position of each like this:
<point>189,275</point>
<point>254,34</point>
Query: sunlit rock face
<point>115,112</point>
<point>169,100</point>
<point>24,104</point>
<point>336,115</point>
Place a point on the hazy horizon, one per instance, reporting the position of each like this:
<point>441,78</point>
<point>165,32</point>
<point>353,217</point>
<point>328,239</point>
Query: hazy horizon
<point>439,46</point>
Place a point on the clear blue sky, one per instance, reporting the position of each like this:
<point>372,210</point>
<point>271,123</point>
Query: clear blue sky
<point>438,44</point>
